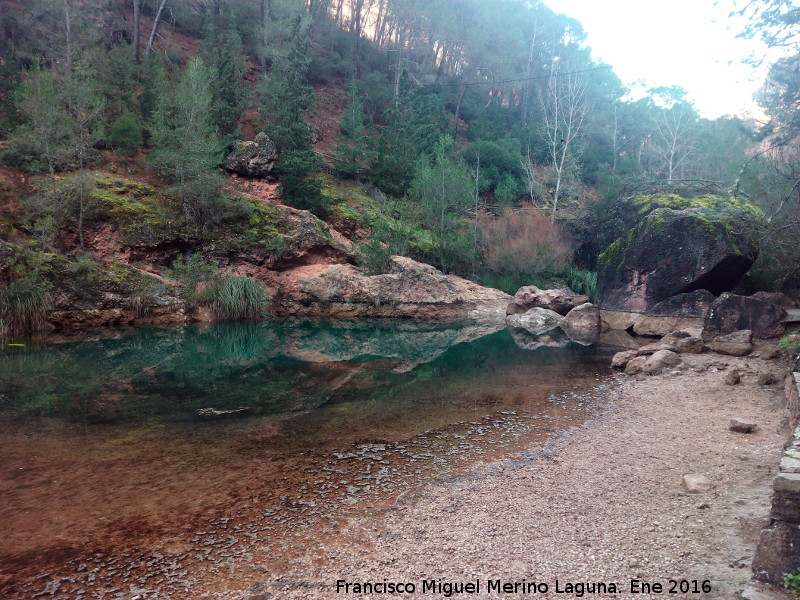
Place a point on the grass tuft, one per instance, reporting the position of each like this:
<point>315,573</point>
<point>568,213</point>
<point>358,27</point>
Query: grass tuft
<point>24,304</point>
<point>235,298</point>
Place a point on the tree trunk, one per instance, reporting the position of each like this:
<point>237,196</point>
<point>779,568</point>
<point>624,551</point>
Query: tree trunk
<point>3,38</point>
<point>68,36</point>
<point>137,27</point>
<point>153,31</point>
<point>266,10</point>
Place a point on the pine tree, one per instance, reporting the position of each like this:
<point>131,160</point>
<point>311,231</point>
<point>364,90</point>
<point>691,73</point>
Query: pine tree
<point>286,97</point>
<point>186,145</point>
<point>352,153</point>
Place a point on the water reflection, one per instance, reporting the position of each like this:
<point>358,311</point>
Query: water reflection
<point>101,449</point>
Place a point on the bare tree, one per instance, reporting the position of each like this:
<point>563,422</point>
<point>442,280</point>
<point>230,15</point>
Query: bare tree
<point>137,28</point>
<point>266,15</point>
<point>673,139</point>
<point>153,31</point>
<point>564,110</point>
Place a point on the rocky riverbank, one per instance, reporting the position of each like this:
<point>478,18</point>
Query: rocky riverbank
<point>604,504</point>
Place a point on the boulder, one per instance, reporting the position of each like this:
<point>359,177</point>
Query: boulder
<point>659,361</point>
<point>536,320</point>
<point>672,252</point>
<point>695,483</point>
<point>254,159</point>
<point>738,343</point>
<point>769,353</point>
<point>411,290</point>
<point>689,345</point>
<point>649,349</point>
<point>558,300</point>
<point>635,365</point>
<point>742,425</point>
<point>677,312</point>
<point>781,300</point>
<point>584,319</point>
<point>731,312</point>
<point>621,359</point>
<point>619,320</point>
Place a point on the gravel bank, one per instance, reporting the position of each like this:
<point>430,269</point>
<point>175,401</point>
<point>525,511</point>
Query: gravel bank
<point>603,504</point>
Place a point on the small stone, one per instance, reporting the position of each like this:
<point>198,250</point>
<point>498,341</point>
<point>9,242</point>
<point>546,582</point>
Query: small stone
<point>704,506</point>
<point>767,378</point>
<point>635,365</point>
<point>695,483</point>
<point>621,358</point>
<point>769,353</point>
<point>738,343</point>
<point>742,425</point>
<point>733,377</point>
<point>633,563</point>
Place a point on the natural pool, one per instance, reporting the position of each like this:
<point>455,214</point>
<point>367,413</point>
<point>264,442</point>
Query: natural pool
<point>113,485</point>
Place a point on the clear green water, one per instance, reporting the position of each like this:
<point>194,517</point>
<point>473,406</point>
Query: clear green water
<point>102,449</point>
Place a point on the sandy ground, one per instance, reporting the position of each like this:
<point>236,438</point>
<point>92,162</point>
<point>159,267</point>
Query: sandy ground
<point>603,503</point>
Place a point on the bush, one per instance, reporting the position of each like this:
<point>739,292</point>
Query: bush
<point>24,304</point>
<point>790,343</point>
<point>190,273</point>
<point>125,135</point>
<point>235,298</point>
<point>523,245</point>
<point>581,282</point>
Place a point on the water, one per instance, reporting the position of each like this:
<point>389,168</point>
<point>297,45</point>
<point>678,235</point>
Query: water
<point>111,481</point>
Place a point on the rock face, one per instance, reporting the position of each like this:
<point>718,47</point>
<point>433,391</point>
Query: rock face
<point>738,343</point>
<point>677,312</point>
<point>559,300</point>
<point>730,313</point>
<point>536,320</point>
<point>411,290</point>
<point>672,252</point>
<point>254,159</point>
<point>775,298</point>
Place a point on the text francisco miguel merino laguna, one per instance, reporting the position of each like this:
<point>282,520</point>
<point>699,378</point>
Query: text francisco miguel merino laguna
<point>578,589</point>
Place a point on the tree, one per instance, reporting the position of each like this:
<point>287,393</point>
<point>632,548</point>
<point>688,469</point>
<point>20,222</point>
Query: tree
<point>223,52</point>
<point>563,113</point>
<point>443,187</point>
<point>352,153</point>
<point>186,145</point>
<point>674,136</point>
<point>285,98</point>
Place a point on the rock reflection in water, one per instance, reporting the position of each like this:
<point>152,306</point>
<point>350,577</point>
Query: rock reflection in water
<point>112,485</point>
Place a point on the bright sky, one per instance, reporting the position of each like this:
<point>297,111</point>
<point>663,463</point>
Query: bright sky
<point>690,43</point>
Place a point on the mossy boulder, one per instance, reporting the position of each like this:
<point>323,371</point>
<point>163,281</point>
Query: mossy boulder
<point>254,159</point>
<point>680,245</point>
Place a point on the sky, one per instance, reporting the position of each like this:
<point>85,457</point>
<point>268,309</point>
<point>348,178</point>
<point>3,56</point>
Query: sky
<point>690,43</point>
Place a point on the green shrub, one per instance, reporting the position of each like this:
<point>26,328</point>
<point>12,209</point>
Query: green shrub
<point>24,304</point>
<point>791,344</point>
<point>791,582</point>
<point>581,282</point>
<point>125,135</point>
<point>190,273</point>
<point>235,298</point>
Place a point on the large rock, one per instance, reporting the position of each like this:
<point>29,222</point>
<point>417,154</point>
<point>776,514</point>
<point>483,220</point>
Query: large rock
<point>738,343</point>
<point>254,159</point>
<point>583,319</point>
<point>558,300</point>
<point>672,252</point>
<point>536,320</point>
<point>730,313</point>
<point>411,290</point>
<point>775,298</point>
<point>675,313</point>
<point>659,361</point>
